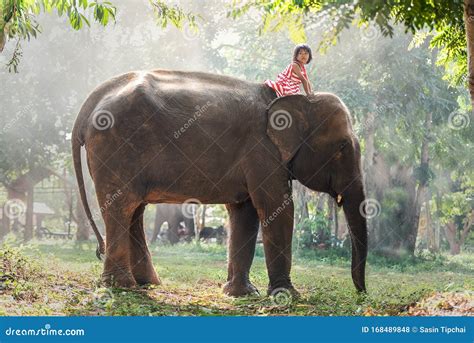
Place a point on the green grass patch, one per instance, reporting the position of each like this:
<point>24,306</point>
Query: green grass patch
<point>63,278</point>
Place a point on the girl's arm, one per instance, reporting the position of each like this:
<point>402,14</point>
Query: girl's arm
<point>305,81</point>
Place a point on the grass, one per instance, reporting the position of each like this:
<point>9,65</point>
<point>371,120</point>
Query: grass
<point>58,278</point>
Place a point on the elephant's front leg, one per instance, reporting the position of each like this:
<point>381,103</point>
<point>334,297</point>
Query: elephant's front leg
<point>243,236</point>
<point>276,216</point>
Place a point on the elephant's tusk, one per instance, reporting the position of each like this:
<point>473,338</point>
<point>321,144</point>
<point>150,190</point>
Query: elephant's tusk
<point>339,199</point>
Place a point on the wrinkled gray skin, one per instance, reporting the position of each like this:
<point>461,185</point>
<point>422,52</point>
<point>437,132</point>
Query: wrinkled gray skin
<point>178,135</point>
<point>173,214</point>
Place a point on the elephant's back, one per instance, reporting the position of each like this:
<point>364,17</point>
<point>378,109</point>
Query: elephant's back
<point>196,81</point>
<point>177,96</point>
<point>163,105</point>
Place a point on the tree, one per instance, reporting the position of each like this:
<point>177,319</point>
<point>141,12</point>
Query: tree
<point>445,22</point>
<point>18,18</point>
<point>35,119</point>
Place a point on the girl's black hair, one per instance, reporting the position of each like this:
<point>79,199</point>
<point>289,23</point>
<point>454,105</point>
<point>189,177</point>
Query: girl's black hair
<point>305,47</point>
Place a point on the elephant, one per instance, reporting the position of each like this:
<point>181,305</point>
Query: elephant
<point>173,214</point>
<point>170,136</point>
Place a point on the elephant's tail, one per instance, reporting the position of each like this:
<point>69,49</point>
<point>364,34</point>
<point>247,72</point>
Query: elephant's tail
<point>76,156</point>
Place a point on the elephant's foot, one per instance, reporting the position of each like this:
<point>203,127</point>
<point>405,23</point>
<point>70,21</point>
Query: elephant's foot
<point>237,289</point>
<point>284,291</point>
<point>118,278</point>
<point>148,277</point>
<point>282,284</point>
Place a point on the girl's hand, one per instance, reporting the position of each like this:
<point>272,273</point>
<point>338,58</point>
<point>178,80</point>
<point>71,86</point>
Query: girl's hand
<point>306,84</point>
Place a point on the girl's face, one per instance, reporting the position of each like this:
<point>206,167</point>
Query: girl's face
<point>303,56</point>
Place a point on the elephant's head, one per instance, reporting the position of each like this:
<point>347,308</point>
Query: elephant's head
<point>315,139</point>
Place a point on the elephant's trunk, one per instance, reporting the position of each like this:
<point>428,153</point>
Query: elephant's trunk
<point>353,200</point>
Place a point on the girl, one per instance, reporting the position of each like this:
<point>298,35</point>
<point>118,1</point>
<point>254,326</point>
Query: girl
<point>288,81</point>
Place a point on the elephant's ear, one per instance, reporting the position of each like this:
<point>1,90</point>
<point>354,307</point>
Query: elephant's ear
<point>286,124</point>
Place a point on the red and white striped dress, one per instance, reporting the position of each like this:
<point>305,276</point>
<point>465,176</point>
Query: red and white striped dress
<point>287,82</point>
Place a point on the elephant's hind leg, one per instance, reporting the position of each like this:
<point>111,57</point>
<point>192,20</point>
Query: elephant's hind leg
<point>242,240</point>
<point>140,257</point>
<point>117,269</point>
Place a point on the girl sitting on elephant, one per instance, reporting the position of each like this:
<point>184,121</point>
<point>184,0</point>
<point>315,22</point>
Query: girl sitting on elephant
<point>288,81</point>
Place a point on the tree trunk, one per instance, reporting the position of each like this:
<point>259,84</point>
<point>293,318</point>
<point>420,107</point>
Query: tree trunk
<point>469,25</point>
<point>336,222</point>
<point>4,224</point>
<point>368,165</point>
<point>438,220</point>
<point>450,231</point>
<point>301,202</point>
<point>410,243</point>
<point>320,202</point>
<point>197,228</point>
<point>28,233</point>
<point>430,229</point>
<point>467,227</point>
<point>203,218</point>
<point>330,218</point>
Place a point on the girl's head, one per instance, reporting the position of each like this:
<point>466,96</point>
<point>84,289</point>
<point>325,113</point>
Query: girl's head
<point>302,53</point>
